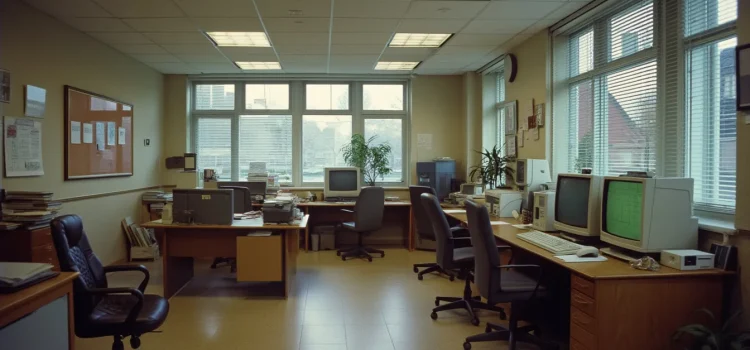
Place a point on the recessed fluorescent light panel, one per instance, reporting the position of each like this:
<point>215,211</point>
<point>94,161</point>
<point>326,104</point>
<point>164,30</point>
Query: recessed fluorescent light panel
<point>247,39</point>
<point>418,40</point>
<point>259,65</point>
<point>396,65</point>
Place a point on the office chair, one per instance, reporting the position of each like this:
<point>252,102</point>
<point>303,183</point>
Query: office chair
<point>368,217</point>
<point>101,311</point>
<point>243,203</point>
<point>424,230</point>
<point>501,283</point>
<point>454,253</point>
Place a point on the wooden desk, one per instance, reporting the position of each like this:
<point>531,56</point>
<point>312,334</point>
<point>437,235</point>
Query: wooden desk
<point>16,306</point>
<point>24,245</point>
<point>614,306</point>
<point>180,244</point>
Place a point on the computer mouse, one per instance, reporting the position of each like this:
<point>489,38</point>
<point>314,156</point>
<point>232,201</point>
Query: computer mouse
<point>587,252</point>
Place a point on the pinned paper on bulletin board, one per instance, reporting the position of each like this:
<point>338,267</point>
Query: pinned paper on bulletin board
<point>540,115</point>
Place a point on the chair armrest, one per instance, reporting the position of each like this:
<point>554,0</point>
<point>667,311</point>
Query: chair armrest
<point>133,314</point>
<point>527,266</point>
<point>348,211</point>
<point>141,268</point>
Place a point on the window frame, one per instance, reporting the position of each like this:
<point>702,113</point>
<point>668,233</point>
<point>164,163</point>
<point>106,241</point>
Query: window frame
<point>298,109</point>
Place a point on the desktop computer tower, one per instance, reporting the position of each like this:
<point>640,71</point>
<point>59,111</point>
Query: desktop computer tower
<point>438,175</point>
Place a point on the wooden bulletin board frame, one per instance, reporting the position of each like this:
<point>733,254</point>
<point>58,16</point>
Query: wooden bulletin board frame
<point>90,160</point>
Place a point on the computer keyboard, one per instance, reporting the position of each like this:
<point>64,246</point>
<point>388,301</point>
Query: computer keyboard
<point>556,245</point>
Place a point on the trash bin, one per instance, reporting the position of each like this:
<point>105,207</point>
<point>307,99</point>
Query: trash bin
<point>327,237</point>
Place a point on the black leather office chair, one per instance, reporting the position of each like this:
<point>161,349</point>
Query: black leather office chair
<point>499,286</point>
<point>101,311</point>
<point>424,230</point>
<point>243,203</point>
<point>454,254</point>
<point>368,217</point>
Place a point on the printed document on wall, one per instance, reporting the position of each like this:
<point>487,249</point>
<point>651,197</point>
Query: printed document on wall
<point>88,133</point>
<point>75,132</point>
<point>23,147</point>
<point>111,133</point>
<point>100,132</point>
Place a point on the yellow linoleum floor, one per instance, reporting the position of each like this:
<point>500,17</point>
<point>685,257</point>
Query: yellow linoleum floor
<point>336,305</point>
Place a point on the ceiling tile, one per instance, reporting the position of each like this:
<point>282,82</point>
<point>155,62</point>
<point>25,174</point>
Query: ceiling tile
<point>289,39</point>
<point>368,25</point>
<point>260,54</point>
<point>508,26</point>
<point>156,58</point>
<point>466,50</point>
<point>431,25</point>
<point>140,49</point>
<point>420,71</point>
<point>177,38</point>
<point>206,48</point>
<point>202,58</point>
<point>173,68</point>
<point>297,25</point>
<point>370,9</point>
<point>310,59</point>
<point>304,67</point>
<point>70,8</point>
<point>360,38</point>
<point>477,39</point>
<point>121,38</point>
<point>287,49</point>
<point>567,9</point>
<point>281,8</point>
<point>540,26</point>
<point>445,9</point>
<point>357,49</point>
<point>461,59</point>
<point>141,8</point>
<point>406,54</point>
<point>361,60</point>
<point>215,67</point>
<point>441,65</point>
<point>161,24</point>
<point>214,24</point>
<point>97,24</point>
<point>519,10</point>
<point>218,8</point>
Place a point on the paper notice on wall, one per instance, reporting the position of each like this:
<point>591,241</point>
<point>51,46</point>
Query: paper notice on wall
<point>424,141</point>
<point>100,132</point>
<point>120,136</point>
<point>535,134</point>
<point>23,147</point>
<point>88,133</point>
<point>111,133</point>
<point>75,132</point>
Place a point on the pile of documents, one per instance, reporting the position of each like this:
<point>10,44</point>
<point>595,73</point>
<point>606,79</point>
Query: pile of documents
<point>156,196</point>
<point>14,274</point>
<point>257,172</point>
<point>30,209</point>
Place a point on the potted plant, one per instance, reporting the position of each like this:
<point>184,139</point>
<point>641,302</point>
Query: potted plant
<point>493,168</point>
<point>706,338</point>
<point>372,160</point>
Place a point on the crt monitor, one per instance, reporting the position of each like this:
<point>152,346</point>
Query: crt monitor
<point>342,182</point>
<point>648,215</point>
<point>577,204</point>
<point>532,173</point>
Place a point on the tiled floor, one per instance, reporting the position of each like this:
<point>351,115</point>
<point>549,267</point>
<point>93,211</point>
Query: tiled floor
<point>336,305</point>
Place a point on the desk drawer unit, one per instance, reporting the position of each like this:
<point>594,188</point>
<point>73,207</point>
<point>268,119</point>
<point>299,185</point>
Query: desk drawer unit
<point>259,259</point>
<point>29,246</point>
<point>582,314</point>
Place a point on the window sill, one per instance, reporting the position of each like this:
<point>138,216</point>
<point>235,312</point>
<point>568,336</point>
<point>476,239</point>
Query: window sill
<point>723,224</point>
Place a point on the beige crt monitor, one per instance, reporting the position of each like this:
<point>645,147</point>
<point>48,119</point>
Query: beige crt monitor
<point>577,204</point>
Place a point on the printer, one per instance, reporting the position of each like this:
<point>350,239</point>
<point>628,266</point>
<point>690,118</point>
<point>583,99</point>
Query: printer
<point>278,211</point>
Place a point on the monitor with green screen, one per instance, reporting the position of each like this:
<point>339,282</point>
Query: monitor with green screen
<point>624,209</point>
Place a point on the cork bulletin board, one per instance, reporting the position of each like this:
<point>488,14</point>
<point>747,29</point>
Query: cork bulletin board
<point>98,136</point>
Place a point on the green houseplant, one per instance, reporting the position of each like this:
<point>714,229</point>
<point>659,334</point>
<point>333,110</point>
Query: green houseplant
<point>492,167</point>
<point>704,337</point>
<point>372,160</point>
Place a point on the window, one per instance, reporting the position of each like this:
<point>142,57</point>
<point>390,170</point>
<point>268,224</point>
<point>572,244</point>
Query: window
<point>296,127</point>
<point>627,96</point>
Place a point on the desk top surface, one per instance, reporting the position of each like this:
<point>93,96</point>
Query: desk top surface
<point>245,224</point>
<point>9,302</point>
<point>350,204</point>
<point>610,269</point>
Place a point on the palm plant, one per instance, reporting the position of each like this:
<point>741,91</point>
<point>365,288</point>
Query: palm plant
<point>493,168</point>
<point>372,160</point>
<point>724,338</point>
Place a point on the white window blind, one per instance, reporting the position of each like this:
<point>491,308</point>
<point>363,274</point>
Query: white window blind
<point>214,146</point>
<point>214,97</point>
<point>266,138</point>
<point>493,95</point>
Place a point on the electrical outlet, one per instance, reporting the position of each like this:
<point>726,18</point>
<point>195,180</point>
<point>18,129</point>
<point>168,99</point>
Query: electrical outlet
<point>147,142</point>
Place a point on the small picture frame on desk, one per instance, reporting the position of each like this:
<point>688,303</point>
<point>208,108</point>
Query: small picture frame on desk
<point>742,65</point>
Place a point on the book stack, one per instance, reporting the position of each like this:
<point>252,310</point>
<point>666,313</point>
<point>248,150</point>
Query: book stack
<point>30,209</point>
<point>142,240</point>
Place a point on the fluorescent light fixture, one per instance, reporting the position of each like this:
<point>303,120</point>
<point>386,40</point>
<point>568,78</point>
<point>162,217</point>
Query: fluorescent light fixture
<point>418,40</point>
<point>396,65</point>
<point>259,65</point>
<point>249,39</point>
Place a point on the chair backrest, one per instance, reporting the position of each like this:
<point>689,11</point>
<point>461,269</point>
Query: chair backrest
<point>441,228</point>
<point>424,226</point>
<point>243,198</point>
<point>368,211</point>
<point>75,255</point>
<point>486,256</point>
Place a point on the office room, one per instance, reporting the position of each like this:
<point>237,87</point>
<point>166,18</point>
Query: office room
<point>320,174</point>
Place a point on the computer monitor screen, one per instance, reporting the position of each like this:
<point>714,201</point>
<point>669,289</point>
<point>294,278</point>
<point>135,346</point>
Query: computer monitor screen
<point>343,180</point>
<point>572,205</point>
<point>623,209</point>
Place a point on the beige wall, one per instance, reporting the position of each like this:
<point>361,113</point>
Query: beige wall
<point>742,219</point>
<point>176,125</point>
<point>530,83</point>
<point>41,51</point>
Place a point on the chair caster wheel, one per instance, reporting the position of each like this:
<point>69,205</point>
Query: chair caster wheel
<point>118,346</point>
<point>343,258</point>
<point>420,277</point>
<point>452,278</point>
<point>467,346</point>
<point>475,321</point>
<point>338,253</point>
<point>135,342</point>
<point>369,259</point>
<point>488,329</point>
<point>416,270</point>
<point>503,316</point>
<point>433,315</point>
<point>382,255</point>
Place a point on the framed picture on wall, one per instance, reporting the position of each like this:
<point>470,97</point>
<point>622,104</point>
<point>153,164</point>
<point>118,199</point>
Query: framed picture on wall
<point>511,116</point>
<point>742,64</point>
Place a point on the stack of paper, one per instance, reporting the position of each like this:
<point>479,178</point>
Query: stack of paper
<point>156,196</point>
<point>30,209</point>
<point>16,273</point>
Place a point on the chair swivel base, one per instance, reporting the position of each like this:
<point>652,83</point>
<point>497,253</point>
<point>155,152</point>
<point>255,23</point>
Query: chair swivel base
<point>135,342</point>
<point>430,268</point>
<point>359,252</point>
<point>467,302</point>
<point>496,332</point>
